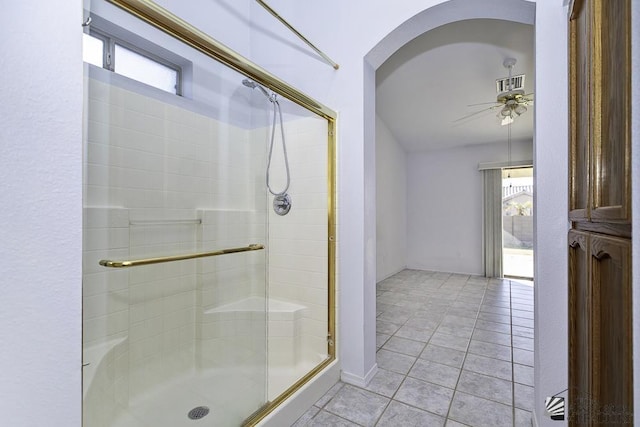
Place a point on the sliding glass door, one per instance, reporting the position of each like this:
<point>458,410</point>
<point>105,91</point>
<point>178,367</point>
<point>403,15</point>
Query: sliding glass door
<point>517,222</point>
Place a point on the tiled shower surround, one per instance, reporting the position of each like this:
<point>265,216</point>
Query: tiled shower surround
<point>163,180</point>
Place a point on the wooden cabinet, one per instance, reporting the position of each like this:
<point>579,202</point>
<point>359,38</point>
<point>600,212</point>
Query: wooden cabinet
<point>600,311</point>
<point>612,364</point>
<point>600,103</point>
<point>600,353</point>
<point>580,360</point>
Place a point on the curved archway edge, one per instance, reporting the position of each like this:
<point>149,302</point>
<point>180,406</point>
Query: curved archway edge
<point>520,11</point>
<point>357,306</point>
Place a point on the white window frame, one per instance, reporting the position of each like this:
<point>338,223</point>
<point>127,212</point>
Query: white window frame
<point>109,58</point>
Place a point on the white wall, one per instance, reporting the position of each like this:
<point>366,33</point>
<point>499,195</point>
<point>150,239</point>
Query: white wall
<point>41,215</point>
<point>551,206</point>
<point>228,21</point>
<point>445,194</point>
<point>391,203</point>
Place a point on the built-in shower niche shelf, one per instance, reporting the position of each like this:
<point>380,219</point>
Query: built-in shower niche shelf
<point>256,306</point>
<point>284,325</point>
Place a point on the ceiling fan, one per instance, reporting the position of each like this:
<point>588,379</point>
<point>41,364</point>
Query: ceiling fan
<point>511,100</point>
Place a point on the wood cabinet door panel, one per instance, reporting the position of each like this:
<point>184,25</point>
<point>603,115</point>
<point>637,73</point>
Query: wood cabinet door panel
<point>579,78</point>
<point>612,364</point>
<point>579,326</point>
<point>611,110</point>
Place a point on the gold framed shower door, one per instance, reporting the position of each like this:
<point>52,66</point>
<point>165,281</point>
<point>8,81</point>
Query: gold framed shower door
<point>166,21</point>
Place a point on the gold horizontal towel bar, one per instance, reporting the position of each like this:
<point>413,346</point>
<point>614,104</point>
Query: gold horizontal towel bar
<point>135,263</point>
<point>152,222</point>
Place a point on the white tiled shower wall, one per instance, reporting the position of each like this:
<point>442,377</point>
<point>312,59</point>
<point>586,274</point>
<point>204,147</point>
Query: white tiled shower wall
<point>231,339</point>
<point>298,244</point>
<point>149,161</point>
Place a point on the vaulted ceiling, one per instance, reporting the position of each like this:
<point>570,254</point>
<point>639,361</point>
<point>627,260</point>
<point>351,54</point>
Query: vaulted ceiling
<point>426,87</point>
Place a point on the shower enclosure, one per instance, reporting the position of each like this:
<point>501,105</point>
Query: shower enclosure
<point>199,301</point>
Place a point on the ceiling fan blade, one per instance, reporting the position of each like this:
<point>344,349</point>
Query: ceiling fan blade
<point>468,116</point>
<point>483,103</point>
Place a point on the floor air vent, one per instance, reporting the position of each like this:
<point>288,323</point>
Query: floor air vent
<point>198,412</point>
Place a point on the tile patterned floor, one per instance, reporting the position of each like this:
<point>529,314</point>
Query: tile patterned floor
<point>453,350</point>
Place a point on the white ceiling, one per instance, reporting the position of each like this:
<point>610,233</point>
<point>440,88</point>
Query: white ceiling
<point>427,85</point>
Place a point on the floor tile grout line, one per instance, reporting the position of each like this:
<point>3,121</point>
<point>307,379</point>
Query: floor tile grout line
<point>417,358</point>
<point>341,417</point>
<point>464,359</point>
<point>392,398</point>
<point>513,373</point>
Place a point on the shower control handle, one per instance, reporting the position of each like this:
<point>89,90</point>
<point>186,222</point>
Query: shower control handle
<point>282,204</point>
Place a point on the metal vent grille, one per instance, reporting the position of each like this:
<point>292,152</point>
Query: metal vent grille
<point>517,83</point>
<point>198,412</point>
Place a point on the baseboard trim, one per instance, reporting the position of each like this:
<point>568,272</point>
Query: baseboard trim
<point>357,380</point>
<point>391,274</point>
<point>443,270</point>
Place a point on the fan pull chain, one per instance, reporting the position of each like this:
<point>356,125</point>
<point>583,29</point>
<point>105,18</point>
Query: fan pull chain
<point>509,142</point>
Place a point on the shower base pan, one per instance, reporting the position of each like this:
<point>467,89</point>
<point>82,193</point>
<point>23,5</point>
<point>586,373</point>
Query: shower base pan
<point>170,404</point>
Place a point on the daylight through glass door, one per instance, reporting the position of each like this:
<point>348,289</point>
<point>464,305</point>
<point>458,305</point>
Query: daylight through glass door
<point>517,222</point>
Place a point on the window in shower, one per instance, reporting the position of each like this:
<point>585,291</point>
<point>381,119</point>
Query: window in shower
<point>199,301</point>
<point>93,50</point>
<point>105,51</point>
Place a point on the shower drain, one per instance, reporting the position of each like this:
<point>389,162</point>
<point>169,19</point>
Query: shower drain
<point>198,412</point>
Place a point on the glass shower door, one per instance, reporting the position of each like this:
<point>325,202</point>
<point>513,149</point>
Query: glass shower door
<point>174,280</point>
<point>200,301</point>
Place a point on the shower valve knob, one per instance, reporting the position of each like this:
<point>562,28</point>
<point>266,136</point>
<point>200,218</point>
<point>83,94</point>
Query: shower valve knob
<point>282,204</point>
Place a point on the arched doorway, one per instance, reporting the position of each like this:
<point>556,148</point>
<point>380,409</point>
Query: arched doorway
<point>423,22</point>
<point>551,121</point>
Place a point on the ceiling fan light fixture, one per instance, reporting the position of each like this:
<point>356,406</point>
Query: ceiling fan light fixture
<point>511,101</point>
<point>520,109</point>
<point>507,120</point>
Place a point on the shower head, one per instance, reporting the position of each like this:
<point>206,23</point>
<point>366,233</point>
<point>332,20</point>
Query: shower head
<point>251,84</point>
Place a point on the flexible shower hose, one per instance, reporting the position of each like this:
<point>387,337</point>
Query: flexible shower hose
<point>277,111</point>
